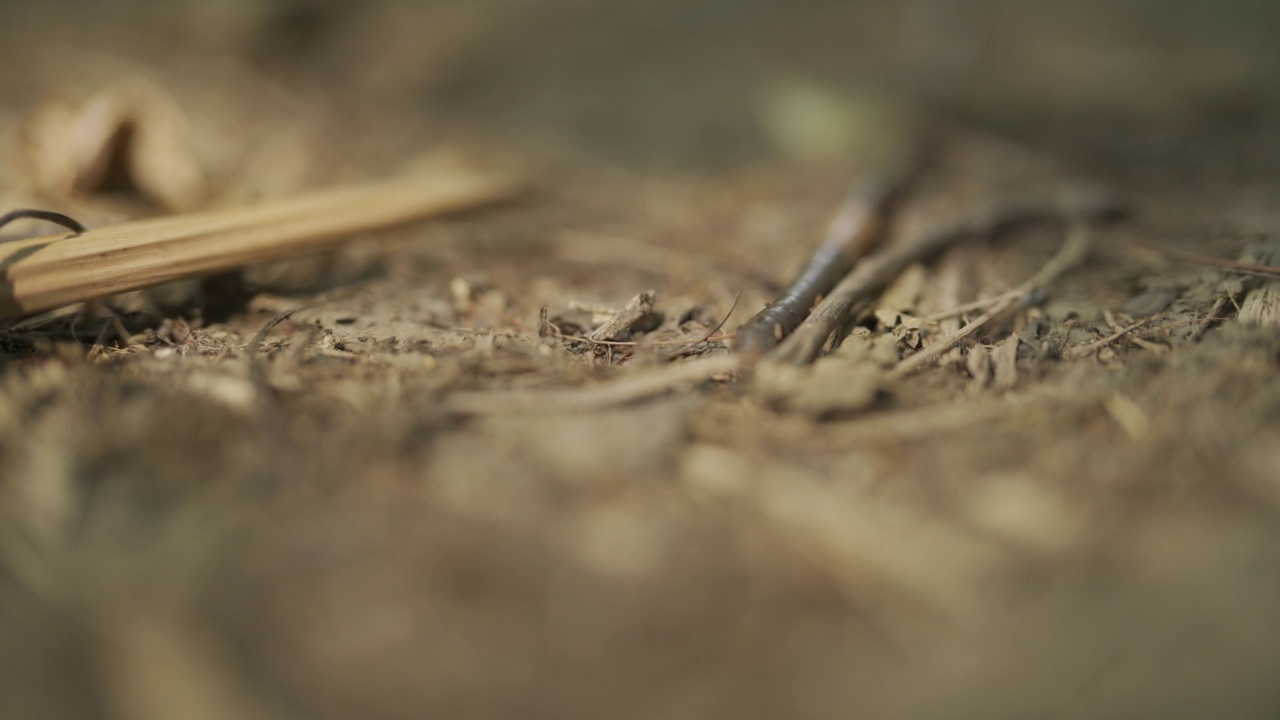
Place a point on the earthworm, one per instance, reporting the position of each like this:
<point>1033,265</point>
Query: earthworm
<point>857,228</point>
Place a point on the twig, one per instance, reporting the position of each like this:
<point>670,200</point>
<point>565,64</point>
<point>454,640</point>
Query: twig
<point>47,272</point>
<point>868,276</point>
<point>273,417</point>
<point>99,346</point>
<point>635,386</point>
<point>1083,350</point>
<point>723,320</point>
<point>1030,285</point>
<point>856,230</point>
<point>1231,296</point>
<point>1073,251</point>
<point>637,312</point>
<point>1253,269</point>
<point>257,371</point>
<point>635,343</point>
<point>915,362</point>
<point>555,332</point>
<point>879,268</point>
<point>983,304</point>
<point>255,343</point>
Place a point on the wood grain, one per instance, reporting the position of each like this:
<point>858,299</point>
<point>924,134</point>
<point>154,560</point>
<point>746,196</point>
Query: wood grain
<point>43,273</point>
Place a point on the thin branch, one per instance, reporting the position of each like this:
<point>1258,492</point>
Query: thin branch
<point>1073,251</point>
<point>254,347</point>
<point>1253,269</point>
<point>1083,350</point>
<point>983,304</point>
<point>42,273</point>
<point>723,320</point>
<point>636,343</point>
<point>555,332</point>
<point>875,271</point>
<point>857,229</point>
<point>271,412</point>
<point>631,387</point>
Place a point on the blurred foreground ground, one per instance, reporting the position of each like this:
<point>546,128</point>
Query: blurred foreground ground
<point>1081,533</point>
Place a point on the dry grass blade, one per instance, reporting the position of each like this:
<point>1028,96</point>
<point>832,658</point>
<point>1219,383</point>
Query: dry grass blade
<point>1072,253</point>
<point>870,275</point>
<point>1243,268</point>
<point>1083,350</point>
<point>878,269</point>
<point>273,417</point>
<point>626,389</point>
<point>43,273</point>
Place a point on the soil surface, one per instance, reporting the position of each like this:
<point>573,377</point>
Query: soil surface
<point>414,477</point>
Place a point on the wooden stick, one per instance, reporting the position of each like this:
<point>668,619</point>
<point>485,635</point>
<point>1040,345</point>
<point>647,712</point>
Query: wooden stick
<point>856,230</point>
<point>868,277</point>
<point>877,269</point>
<point>43,273</point>
<point>1072,253</point>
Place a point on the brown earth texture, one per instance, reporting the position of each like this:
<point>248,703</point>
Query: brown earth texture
<point>452,470</point>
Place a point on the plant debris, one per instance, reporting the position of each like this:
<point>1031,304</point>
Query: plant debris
<point>1019,462</point>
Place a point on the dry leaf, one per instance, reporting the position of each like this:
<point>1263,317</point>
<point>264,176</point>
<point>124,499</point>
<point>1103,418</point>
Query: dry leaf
<point>129,138</point>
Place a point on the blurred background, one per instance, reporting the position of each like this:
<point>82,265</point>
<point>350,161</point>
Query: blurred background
<point>682,83</point>
<point>1040,562</point>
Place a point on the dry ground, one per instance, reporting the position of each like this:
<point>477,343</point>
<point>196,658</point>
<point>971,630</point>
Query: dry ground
<point>1074,514</point>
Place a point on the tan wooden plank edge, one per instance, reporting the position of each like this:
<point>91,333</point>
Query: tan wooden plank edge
<point>43,273</point>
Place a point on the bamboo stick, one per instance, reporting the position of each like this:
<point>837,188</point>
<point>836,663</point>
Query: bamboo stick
<point>43,273</point>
